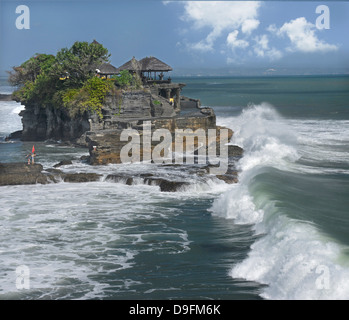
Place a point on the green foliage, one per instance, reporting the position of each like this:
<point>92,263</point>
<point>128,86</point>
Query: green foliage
<point>40,79</point>
<point>31,69</point>
<point>80,62</point>
<point>124,79</point>
<point>88,98</point>
<point>25,93</point>
<point>156,102</point>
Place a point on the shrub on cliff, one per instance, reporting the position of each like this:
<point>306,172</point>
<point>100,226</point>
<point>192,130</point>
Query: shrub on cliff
<point>31,69</point>
<point>90,97</point>
<point>67,79</point>
<point>126,80</point>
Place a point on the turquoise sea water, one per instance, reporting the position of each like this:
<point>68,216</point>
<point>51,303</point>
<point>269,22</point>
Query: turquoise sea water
<point>282,232</point>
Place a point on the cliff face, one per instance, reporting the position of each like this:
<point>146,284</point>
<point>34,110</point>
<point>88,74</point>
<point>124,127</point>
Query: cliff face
<point>105,145</point>
<point>41,124</point>
<point>132,106</point>
<point>51,123</point>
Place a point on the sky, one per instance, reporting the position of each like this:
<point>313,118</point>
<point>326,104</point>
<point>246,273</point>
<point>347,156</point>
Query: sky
<point>194,37</point>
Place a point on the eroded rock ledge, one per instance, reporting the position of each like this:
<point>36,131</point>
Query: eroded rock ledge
<point>24,174</point>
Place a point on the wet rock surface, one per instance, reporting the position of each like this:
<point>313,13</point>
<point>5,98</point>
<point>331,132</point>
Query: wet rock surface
<point>21,173</point>
<point>81,177</point>
<point>168,181</point>
<point>63,163</point>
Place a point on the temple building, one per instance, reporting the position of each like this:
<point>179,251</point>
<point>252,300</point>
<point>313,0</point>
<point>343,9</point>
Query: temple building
<point>150,67</point>
<point>106,70</point>
<point>151,71</point>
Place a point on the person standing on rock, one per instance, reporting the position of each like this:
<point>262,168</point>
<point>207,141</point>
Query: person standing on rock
<point>28,156</point>
<point>31,156</point>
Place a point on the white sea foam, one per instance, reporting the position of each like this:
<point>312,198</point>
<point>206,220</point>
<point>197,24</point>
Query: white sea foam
<point>292,257</point>
<point>10,121</point>
<point>70,235</point>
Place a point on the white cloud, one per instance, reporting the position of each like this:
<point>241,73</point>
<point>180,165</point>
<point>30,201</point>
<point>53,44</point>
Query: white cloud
<point>202,45</point>
<point>233,42</point>
<point>262,48</point>
<point>274,54</point>
<point>302,36</point>
<point>220,16</point>
<point>249,25</point>
<point>273,29</point>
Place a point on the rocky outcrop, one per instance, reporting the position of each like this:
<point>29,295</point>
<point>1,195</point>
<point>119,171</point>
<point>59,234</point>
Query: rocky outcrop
<point>48,122</point>
<point>20,173</point>
<point>43,123</point>
<point>158,105</point>
<point>147,179</point>
<point>105,145</point>
<point>80,177</point>
<point>57,175</point>
<point>63,163</point>
<point>190,103</point>
<point>169,186</point>
<point>14,136</point>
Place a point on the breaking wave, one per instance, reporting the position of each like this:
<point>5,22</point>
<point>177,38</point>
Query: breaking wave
<point>293,256</point>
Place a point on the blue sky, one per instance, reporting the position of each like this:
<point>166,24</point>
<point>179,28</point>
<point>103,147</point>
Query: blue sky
<point>194,37</point>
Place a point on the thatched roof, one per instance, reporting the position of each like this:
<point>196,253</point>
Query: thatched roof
<point>107,68</point>
<point>146,64</point>
<point>132,65</point>
<point>154,64</point>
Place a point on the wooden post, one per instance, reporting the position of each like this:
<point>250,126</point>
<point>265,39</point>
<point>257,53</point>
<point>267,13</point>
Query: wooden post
<point>168,94</point>
<point>177,100</point>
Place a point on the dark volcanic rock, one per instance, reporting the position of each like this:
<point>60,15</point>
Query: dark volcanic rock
<point>21,173</point>
<point>81,177</point>
<point>19,167</point>
<point>166,185</point>
<point>122,178</point>
<point>44,123</point>
<point>85,158</point>
<point>146,175</point>
<point>63,163</point>
<point>227,178</point>
<point>15,135</point>
<point>235,151</point>
<point>171,186</point>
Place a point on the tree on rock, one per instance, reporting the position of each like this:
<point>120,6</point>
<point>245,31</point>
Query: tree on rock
<point>80,62</point>
<point>39,78</point>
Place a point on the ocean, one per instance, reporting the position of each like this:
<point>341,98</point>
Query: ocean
<point>281,232</point>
